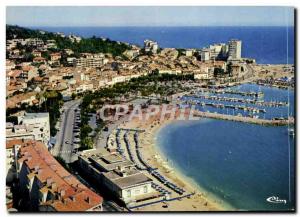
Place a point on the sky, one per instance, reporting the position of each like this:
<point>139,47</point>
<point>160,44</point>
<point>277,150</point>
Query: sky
<point>31,16</point>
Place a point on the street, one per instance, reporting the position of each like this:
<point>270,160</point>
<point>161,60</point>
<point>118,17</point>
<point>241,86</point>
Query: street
<point>64,139</point>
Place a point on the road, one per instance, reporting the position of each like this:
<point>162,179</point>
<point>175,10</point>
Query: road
<point>64,138</point>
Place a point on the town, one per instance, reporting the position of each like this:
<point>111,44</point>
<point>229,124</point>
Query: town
<point>60,154</point>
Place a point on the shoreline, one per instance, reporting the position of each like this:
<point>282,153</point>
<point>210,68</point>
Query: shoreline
<point>220,204</point>
<point>202,200</point>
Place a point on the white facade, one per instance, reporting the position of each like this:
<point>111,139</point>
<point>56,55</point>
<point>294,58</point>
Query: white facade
<point>90,62</point>
<point>235,49</point>
<point>205,55</point>
<point>150,46</point>
<point>39,124</point>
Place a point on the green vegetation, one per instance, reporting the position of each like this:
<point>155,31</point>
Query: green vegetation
<point>219,72</point>
<point>86,141</point>
<point>145,85</point>
<point>52,105</point>
<point>86,45</point>
<point>181,52</point>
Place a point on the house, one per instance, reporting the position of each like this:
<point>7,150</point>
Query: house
<point>39,60</point>
<point>55,57</point>
<point>37,53</point>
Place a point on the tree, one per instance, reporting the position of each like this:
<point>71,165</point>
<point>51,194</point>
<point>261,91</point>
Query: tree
<point>218,72</point>
<point>28,57</point>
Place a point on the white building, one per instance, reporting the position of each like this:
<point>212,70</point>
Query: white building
<point>117,174</point>
<point>235,49</point>
<point>189,52</point>
<point>92,62</point>
<point>218,51</point>
<point>150,46</point>
<point>205,55</point>
<point>38,124</point>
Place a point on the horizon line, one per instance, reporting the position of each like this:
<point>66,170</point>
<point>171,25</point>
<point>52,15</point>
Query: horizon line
<point>29,26</point>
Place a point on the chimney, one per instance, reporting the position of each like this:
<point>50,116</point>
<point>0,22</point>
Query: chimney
<point>49,181</point>
<point>88,200</point>
<point>36,168</point>
<point>73,198</point>
<point>62,193</point>
<point>53,185</point>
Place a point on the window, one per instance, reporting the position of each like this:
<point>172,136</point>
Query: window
<point>145,189</point>
<point>128,193</point>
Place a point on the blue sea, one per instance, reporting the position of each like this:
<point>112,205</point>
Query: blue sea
<point>268,45</point>
<point>241,164</point>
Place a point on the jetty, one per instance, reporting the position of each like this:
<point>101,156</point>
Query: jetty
<point>222,106</point>
<point>252,120</point>
<point>240,100</point>
<point>233,92</point>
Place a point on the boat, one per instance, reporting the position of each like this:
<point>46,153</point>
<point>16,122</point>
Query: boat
<point>291,132</point>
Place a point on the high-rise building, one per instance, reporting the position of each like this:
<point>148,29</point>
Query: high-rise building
<point>205,55</point>
<point>235,49</point>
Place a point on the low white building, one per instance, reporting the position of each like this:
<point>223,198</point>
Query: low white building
<point>37,124</point>
<point>117,174</point>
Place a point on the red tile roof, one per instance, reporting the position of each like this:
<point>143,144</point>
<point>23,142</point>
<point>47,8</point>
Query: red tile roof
<point>76,197</point>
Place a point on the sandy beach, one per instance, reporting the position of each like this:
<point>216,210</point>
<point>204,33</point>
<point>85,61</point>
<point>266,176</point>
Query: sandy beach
<point>200,201</point>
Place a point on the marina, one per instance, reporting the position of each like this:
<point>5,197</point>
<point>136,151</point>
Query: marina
<point>274,104</point>
<point>241,100</point>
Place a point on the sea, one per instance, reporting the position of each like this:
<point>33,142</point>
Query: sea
<point>240,164</point>
<point>268,45</point>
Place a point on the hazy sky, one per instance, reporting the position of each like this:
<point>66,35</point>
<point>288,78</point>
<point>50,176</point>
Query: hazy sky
<point>150,16</point>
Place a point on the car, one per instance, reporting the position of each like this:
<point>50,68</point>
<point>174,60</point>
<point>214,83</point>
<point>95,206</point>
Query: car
<point>67,142</point>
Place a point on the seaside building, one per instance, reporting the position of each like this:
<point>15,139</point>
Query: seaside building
<point>116,173</point>
<point>189,52</point>
<point>235,49</point>
<point>150,46</point>
<point>46,186</point>
<point>205,55</point>
<point>218,51</point>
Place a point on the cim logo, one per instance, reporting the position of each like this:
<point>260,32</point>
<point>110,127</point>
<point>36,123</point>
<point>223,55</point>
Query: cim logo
<point>275,199</point>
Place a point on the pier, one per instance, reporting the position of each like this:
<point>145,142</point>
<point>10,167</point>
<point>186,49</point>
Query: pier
<point>222,106</point>
<point>241,100</point>
<point>234,92</point>
<point>252,120</point>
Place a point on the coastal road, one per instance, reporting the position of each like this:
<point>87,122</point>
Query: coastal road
<point>64,140</point>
